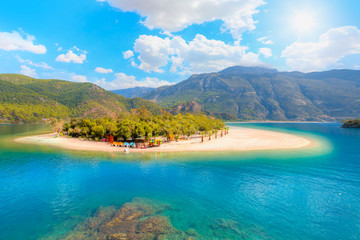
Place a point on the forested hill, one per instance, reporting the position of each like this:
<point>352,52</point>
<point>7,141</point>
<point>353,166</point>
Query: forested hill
<point>266,94</point>
<point>25,99</point>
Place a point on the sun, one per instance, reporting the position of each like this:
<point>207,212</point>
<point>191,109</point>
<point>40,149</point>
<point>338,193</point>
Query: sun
<point>303,22</point>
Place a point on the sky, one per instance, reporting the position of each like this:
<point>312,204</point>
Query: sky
<point>119,44</point>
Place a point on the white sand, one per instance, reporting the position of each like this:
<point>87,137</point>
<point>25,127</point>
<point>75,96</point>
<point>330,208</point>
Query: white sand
<point>238,139</point>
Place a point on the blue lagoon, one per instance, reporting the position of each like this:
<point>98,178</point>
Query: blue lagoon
<point>309,193</point>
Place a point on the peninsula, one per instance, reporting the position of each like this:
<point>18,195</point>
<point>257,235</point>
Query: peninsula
<point>351,123</point>
<point>238,139</point>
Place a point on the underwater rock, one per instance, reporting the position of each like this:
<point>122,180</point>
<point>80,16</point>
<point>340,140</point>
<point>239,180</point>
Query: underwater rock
<point>156,225</point>
<point>101,214</point>
<point>191,232</point>
<point>230,229</point>
<point>226,224</point>
<point>117,236</point>
<point>139,219</point>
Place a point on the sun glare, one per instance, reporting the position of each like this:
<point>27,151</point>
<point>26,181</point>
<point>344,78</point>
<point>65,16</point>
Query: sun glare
<point>303,22</point>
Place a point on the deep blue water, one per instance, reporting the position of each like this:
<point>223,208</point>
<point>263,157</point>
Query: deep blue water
<point>311,193</point>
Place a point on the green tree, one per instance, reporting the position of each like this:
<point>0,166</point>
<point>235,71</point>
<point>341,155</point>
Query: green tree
<point>98,131</point>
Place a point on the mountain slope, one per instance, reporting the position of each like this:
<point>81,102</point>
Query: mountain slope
<point>18,104</point>
<point>34,99</point>
<point>266,94</point>
<point>133,92</point>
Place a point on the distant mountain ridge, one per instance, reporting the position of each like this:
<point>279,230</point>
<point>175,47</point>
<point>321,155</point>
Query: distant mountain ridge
<point>248,93</point>
<point>248,70</point>
<point>255,93</point>
<point>26,99</point>
<point>133,92</point>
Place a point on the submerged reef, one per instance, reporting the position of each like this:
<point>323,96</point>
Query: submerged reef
<point>144,219</point>
<point>228,229</point>
<point>138,219</point>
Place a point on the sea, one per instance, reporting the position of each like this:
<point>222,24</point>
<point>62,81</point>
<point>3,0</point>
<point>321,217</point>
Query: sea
<point>309,193</point>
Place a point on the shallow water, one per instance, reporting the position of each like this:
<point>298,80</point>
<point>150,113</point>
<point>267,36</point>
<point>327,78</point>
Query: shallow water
<point>311,193</point>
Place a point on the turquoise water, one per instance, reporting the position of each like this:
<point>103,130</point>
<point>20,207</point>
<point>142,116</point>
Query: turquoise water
<point>311,193</point>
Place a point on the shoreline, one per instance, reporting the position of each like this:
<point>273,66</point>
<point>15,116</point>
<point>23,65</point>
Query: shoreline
<point>238,139</point>
<point>280,122</point>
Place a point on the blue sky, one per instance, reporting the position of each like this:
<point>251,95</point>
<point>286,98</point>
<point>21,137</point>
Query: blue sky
<point>120,44</point>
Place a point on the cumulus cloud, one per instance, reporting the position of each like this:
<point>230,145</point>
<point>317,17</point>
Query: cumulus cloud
<point>128,54</point>
<point>266,52</point>
<point>122,81</point>
<point>175,15</point>
<point>70,56</point>
<point>199,55</point>
<point>153,52</point>
<point>10,41</point>
<point>103,70</point>
<point>331,47</point>
<point>25,70</point>
<point>265,40</point>
<point>29,62</point>
<point>79,78</point>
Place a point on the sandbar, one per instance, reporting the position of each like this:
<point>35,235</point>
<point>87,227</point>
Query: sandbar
<point>238,139</point>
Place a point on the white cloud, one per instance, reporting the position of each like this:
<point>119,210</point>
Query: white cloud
<point>153,52</point>
<point>128,54</point>
<point>70,56</point>
<point>265,41</point>
<point>198,55</point>
<point>175,15</point>
<point>133,64</point>
<point>29,62</point>
<point>22,42</point>
<point>332,46</point>
<point>103,70</point>
<point>266,52</point>
<point>123,81</point>
<point>25,70</point>
<point>79,78</point>
<point>167,33</point>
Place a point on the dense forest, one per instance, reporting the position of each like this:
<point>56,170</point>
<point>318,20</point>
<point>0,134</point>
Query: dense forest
<point>141,123</point>
<point>355,123</point>
<point>25,99</point>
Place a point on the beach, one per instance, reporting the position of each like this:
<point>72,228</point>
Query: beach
<point>238,139</point>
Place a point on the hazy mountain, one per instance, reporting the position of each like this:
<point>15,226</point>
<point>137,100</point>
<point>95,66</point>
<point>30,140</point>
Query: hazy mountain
<point>27,99</point>
<point>266,94</point>
<point>133,92</point>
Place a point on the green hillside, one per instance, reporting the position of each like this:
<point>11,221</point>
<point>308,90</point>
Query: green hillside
<point>25,99</point>
<point>266,94</point>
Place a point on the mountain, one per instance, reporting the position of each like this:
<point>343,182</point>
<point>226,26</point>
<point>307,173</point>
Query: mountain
<point>195,108</point>
<point>239,70</point>
<point>133,92</point>
<point>255,93</point>
<point>26,99</point>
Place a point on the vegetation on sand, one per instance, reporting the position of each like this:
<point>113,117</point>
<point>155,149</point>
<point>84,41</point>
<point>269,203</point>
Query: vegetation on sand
<point>351,123</point>
<point>142,124</point>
